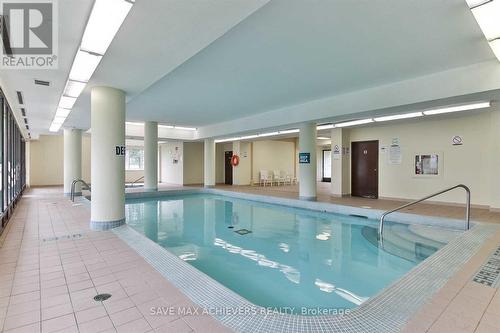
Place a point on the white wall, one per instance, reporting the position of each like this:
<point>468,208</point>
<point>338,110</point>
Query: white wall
<point>468,164</point>
<point>273,155</point>
<point>193,163</point>
<point>170,172</point>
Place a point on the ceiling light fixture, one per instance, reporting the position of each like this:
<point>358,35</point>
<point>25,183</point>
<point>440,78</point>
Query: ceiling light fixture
<point>399,116</point>
<point>268,134</point>
<point>67,102</point>
<point>185,128</point>
<point>249,137</point>
<point>105,20</point>
<point>323,138</point>
<point>62,112</point>
<point>458,108</point>
<point>74,88</point>
<point>486,13</point>
<point>354,122</point>
<point>84,66</point>
<point>290,131</point>
<point>325,126</point>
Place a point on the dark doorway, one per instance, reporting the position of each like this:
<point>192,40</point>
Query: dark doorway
<point>228,168</point>
<point>364,169</point>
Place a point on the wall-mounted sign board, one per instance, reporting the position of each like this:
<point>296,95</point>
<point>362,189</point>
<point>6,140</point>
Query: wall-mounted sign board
<point>305,158</point>
<point>120,150</point>
<point>457,140</point>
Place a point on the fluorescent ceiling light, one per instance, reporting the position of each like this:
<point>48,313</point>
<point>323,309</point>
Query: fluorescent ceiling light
<point>134,123</point>
<point>354,122</point>
<point>296,130</point>
<point>268,134</point>
<point>488,17</point>
<point>185,128</point>
<point>59,120</point>
<point>495,46</point>
<point>399,116</point>
<point>326,126</point>
<point>458,108</point>
<point>84,66</point>
<point>74,88</point>
<point>166,126</point>
<point>67,102</point>
<point>226,140</point>
<point>62,112</point>
<point>54,127</point>
<point>249,137</point>
<point>105,20</point>
<point>323,138</point>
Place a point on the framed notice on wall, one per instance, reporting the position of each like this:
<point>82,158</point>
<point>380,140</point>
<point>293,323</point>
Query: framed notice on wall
<point>428,165</point>
<point>304,158</point>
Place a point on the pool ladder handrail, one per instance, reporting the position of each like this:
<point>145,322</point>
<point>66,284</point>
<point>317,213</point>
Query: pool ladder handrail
<point>73,185</point>
<point>467,207</point>
<point>137,180</point>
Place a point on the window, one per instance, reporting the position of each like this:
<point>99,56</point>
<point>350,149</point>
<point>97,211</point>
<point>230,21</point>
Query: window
<point>134,159</point>
<point>12,161</point>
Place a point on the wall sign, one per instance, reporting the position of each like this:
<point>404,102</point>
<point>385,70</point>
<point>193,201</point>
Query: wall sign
<point>305,158</point>
<point>336,152</point>
<point>457,140</point>
<point>120,150</point>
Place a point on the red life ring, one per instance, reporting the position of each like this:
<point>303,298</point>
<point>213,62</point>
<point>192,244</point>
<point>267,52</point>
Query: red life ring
<point>235,160</point>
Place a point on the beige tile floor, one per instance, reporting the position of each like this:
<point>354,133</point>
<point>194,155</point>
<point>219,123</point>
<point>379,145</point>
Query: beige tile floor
<point>48,285</point>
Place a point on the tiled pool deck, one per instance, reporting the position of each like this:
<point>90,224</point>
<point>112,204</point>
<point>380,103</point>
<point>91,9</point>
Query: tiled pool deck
<point>47,284</point>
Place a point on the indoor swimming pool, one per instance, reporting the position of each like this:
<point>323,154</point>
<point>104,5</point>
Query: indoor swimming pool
<point>282,257</point>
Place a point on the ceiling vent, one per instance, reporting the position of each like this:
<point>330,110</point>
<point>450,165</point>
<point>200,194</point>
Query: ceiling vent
<point>26,121</point>
<point>20,97</point>
<point>27,127</point>
<point>23,112</point>
<point>42,83</point>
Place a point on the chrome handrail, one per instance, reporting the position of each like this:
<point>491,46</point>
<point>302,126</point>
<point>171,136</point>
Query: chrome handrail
<point>73,185</point>
<point>467,207</point>
<point>135,181</point>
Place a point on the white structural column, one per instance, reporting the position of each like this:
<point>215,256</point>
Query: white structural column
<point>72,159</point>
<point>107,158</point>
<point>494,160</point>
<point>151,156</point>
<point>307,161</point>
<point>209,163</point>
<point>340,162</point>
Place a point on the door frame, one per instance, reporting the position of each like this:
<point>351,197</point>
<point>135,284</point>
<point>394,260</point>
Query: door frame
<point>227,152</point>
<point>376,196</point>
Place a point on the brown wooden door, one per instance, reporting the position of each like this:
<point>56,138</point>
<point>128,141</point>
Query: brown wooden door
<point>364,169</point>
<point>228,168</point>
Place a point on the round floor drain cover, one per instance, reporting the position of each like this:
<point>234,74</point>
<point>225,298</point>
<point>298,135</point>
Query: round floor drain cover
<point>101,297</point>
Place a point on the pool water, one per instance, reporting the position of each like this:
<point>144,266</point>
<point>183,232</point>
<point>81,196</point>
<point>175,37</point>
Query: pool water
<point>281,257</point>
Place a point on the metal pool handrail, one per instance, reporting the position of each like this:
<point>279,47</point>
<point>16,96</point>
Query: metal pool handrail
<point>73,184</point>
<point>467,207</point>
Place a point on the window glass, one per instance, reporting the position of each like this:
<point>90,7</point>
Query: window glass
<point>134,158</point>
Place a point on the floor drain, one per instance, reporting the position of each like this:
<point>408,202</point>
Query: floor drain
<point>231,227</point>
<point>101,297</point>
<point>242,231</point>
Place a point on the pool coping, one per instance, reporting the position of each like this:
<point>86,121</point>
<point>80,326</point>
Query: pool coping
<point>387,311</point>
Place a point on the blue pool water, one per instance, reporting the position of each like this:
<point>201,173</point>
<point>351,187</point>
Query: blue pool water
<point>291,258</point>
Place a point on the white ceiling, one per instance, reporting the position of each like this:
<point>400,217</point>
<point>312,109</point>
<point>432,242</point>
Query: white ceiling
<point>199,62</point>
<point>40,101</point>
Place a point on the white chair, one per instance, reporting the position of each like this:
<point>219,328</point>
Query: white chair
<point>278,177</point>
<point>290,179</point>
<point>265,178</point>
